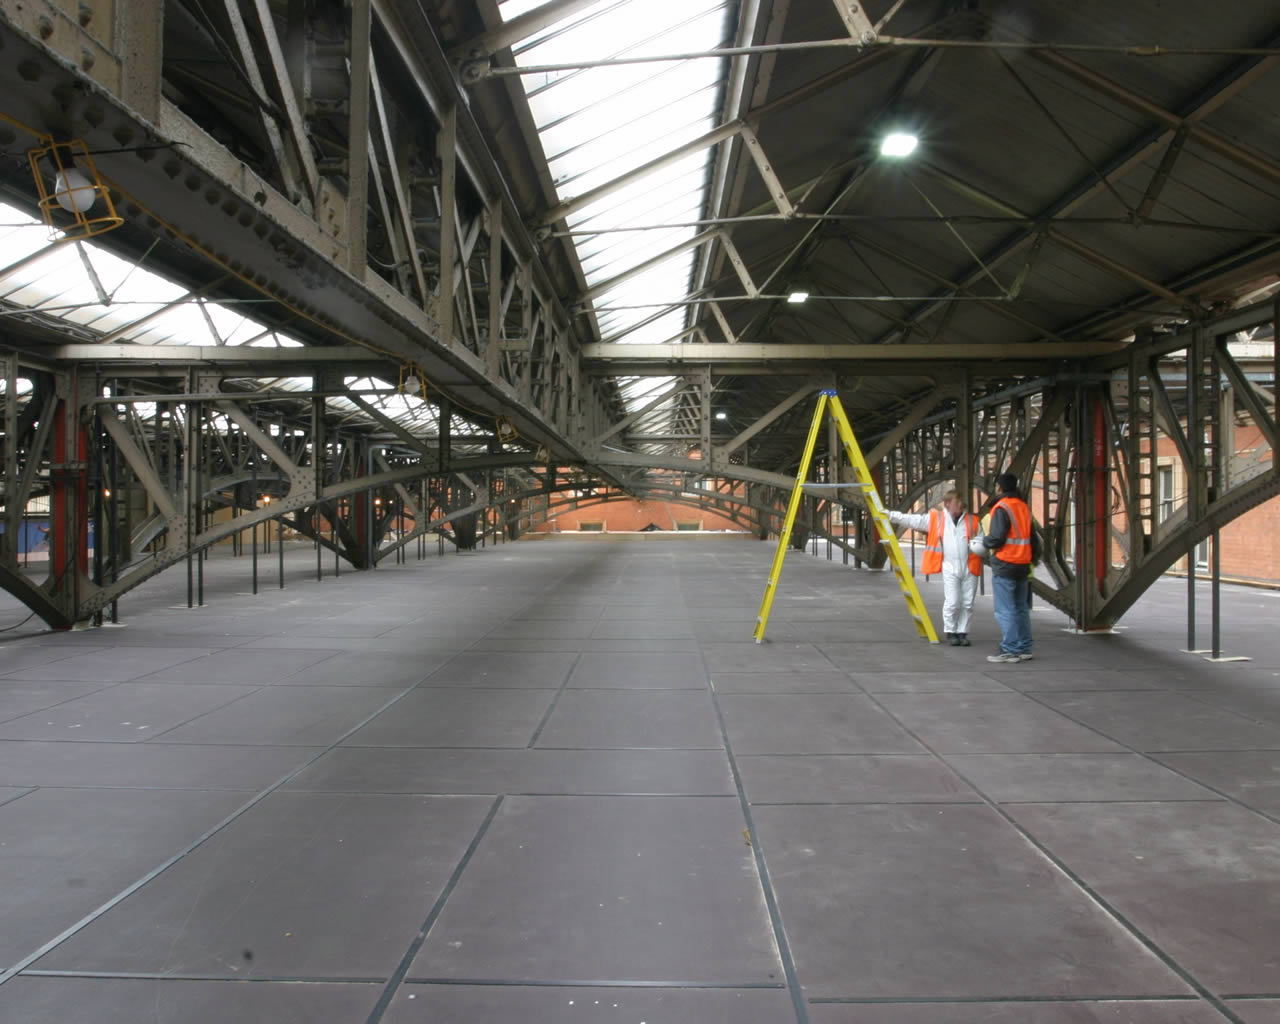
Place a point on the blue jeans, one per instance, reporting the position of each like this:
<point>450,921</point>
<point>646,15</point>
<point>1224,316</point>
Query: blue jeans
<point>1013,613</point>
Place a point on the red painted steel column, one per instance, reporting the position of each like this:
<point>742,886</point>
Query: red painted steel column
<point>70,498</point>
<point>1101,495</point>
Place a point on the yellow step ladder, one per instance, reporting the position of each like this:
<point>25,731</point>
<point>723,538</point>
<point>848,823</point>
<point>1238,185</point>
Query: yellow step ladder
<point>863,482</point>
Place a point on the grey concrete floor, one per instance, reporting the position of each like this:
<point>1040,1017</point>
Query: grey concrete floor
<point>556,781</point>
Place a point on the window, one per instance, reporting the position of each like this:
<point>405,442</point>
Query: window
<point>1164,489</point>
<point>596,527</point>
<point>689,526</point>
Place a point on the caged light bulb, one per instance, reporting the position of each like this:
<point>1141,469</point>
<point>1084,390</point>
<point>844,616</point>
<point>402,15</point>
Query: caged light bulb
<point>73,191</point>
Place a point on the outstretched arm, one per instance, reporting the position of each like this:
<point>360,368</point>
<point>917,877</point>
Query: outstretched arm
<point>911,522</point>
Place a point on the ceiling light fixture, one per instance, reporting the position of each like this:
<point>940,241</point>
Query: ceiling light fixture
<point>77,189</point>
<point>898,144</point>
<point>798,296</point>
<point>73,191</point>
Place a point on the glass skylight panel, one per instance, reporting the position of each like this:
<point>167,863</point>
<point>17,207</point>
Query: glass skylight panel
<point>144,308</point>
<point>598,123</point>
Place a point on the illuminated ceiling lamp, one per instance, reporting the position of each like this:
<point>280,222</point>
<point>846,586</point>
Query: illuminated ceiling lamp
<point>73,191</point>
<point>77,190</point>
<point>413,381</point>
<point>898,144</point>
<point>506,430</point>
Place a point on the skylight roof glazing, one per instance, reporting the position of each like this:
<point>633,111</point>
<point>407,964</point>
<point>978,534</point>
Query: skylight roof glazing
<point>115,300</point>
<point>86,285</point>
<point>597,124</point>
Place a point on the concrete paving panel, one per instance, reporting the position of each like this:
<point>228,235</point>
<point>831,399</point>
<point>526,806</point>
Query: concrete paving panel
<point>962,680</point>
<point>133,1001</point>
<point>65,852</point>
<point>610,889</point>
<point>1164,721</point>
<point>1052,778</point>
<point>1260,1011</point>
<point>1250,776</point>
<point>480,669</point>
<point>1202,880</point>
<point>458,718</point>
<point>368,668</point>
<point>124,713</point>
<point>834,723</point>
<point>302,885</point>
<point>145,765</point>
<point>782,681</point>
<point>304,716</point>
<point>470,1004</point>
<point>1156,1011</point>
<point>991,723</point>
<point>408,770</point>
<point>870,778</point>
<point>256,668</point>
<point>777,656</point>
<point>655,670</point>
<point>122,664</point>
<point>19,697</point>
<point>664,719</point>
<point>940,901</point>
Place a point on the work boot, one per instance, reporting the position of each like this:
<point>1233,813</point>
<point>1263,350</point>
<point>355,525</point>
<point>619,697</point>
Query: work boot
<point>953,639</point>
<point>964,639</point>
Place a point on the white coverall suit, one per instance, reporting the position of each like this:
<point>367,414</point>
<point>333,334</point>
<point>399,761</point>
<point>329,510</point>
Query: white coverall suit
<point>959,585</point>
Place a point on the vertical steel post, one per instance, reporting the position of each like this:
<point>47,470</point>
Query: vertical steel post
<point>13,502</point>
<point>1216,626</point>
<point>198,416</point>
<point>1191,597</point>
<point>253,530</point>
<point>188,487</point>
<point>97,478</point>
<point>318,467</point>
<point>280,548</point>
<point>1195,441</point>
<point>113,514</point>
<point>370,512</point>
<point>1219,413</point>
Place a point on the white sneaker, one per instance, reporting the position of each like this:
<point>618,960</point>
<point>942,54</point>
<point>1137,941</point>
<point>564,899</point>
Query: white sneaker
<point>1003,658</point>
<point>1025,657</point>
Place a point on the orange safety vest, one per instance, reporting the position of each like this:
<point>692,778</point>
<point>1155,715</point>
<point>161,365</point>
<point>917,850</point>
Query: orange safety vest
<point>932,562</point>
<point>1017,544</point>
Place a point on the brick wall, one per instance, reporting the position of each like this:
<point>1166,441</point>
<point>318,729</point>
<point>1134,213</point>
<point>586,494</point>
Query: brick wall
<point>1251,542</point>
<point>620,516</point>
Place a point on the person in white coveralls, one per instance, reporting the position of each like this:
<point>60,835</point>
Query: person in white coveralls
<point>948,531</point>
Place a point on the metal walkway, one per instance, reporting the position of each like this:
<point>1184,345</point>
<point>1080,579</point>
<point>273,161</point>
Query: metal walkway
<point>556,781</point>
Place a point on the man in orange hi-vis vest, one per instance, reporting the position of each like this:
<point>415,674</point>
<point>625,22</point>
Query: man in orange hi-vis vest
<point>1014,547</point>
<point>946,551</point>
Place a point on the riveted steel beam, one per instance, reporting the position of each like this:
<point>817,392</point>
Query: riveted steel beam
<point>696,353</point>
